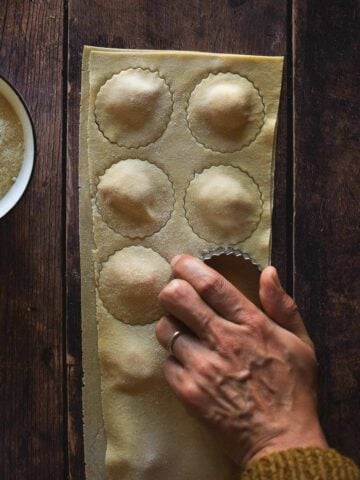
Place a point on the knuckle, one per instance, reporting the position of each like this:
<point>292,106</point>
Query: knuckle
<point>216,334</point>
<point>175,289</point>
<point>238,310</point>
<point>226,338</point>
<point>245,313</point>
<point>229,346</point>
<point>211,284</point>
<point>190,393</point>
<point>205,321</point>
<point>256,324</point>
<point>180,264</point>
<point>202,366</point>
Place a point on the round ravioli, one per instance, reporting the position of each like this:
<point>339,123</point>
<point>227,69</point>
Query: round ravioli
<point>130,282</point>
<point>225,112</point>
<point>129,361</point>
<point>133,107</point>
<point>223,205</point>
<point>135,198</point>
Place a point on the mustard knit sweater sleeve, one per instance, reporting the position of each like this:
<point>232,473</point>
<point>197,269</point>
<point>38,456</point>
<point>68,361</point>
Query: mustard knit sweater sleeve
<point>303,464</point>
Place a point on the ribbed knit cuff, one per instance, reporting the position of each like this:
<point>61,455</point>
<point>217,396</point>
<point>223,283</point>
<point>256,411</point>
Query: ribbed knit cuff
<point>302,464</point>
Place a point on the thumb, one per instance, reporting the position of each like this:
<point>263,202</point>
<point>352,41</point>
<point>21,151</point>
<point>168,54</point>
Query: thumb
<point>279,306</point>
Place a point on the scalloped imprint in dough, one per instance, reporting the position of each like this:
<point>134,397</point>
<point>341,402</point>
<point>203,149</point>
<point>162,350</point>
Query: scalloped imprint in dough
<point>225,112</point>
<point>135,198</point>
<point>223,205</point>
<point>133,107</point>
<point>134,426</point>
<point>130,282</point>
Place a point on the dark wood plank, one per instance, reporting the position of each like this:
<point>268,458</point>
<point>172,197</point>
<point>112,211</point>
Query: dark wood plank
<point>327,199</point>
<point>31,349</point>
<point>235,26</point>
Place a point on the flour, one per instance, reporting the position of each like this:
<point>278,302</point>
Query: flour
<point>11,146</point>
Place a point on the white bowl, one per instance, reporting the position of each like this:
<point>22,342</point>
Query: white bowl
<point>12,196</point>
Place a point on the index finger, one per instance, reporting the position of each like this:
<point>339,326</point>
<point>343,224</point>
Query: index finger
<point>215,289</point>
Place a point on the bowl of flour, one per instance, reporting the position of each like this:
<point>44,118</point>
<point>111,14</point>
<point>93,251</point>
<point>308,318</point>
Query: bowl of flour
<point>17,147</point>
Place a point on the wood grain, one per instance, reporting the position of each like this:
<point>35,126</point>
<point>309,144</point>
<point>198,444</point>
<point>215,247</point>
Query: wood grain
<point>31,340</point>
<point>33,402</point>
<point>327,132</point>
<point>231,26</point>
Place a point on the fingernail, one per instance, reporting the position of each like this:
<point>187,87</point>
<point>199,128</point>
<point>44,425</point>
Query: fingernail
<point>174,260</point>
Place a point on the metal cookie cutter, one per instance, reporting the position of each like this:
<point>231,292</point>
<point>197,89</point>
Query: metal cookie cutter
<point>237,267</point>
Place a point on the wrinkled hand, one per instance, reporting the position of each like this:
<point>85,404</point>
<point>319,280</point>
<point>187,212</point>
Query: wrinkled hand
<point>248,375</point>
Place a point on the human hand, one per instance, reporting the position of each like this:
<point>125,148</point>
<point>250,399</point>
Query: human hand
<point>248,375</point>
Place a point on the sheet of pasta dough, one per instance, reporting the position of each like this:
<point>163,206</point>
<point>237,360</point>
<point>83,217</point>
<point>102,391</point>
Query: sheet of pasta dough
<point>176,151</point>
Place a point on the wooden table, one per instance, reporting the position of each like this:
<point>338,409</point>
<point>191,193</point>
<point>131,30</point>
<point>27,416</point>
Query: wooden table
<point>317,176</point>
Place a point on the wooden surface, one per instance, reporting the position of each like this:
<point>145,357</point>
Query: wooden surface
<point>327,185</point>
<point>32,414</point>
<point>40,52</point>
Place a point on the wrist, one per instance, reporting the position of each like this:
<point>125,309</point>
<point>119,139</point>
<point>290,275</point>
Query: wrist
<point>290,438</point>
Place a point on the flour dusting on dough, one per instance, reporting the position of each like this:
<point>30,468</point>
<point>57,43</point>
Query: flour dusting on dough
<point>130,282</point>
<point>225,112</point>
<point>133,107</point>
<point>223,205</point>
<point>135,198</point>
<point>178,110</point>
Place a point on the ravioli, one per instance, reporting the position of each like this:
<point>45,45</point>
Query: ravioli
<point>225,112</point>
<point>135,198</point>
<point>130,282</point>
<point>136,370</point>
<point>223,205</point>
<point>133,107</point>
